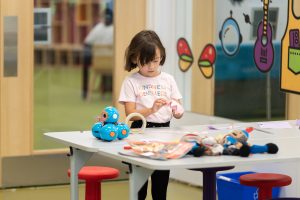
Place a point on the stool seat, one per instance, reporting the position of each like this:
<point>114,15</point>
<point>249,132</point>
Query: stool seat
<point>265,182</point>
<point>96,173</point>
<point>265,179</point>
<point>93,175</point>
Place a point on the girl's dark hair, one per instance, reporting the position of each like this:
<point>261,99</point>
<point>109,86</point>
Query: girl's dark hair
<point>142,48</point>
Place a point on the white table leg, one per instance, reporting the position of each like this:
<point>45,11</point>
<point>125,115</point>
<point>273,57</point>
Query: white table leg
<point>137,178</point>
<point>77,159</point>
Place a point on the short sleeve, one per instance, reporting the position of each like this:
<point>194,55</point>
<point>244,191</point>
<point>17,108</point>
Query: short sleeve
<point>175,94</point>
<point>92,36</point>
<point>127,93</point>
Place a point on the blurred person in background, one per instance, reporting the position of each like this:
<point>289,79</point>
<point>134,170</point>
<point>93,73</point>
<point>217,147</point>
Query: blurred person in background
<point>101,34</point>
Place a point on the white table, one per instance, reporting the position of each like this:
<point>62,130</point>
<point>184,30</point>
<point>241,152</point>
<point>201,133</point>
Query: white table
<point>83,145</point>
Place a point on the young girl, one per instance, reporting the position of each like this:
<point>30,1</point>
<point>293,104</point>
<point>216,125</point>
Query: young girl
<point>150,93</point>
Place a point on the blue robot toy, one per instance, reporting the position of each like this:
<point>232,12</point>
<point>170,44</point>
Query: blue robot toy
<point>123,130</point>
<point>108,128</point>
<point>96,130</point>
<point>109,132</point>
<point>109,115</point>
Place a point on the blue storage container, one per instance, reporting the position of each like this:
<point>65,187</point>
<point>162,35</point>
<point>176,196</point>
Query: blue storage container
<point>229,187</point>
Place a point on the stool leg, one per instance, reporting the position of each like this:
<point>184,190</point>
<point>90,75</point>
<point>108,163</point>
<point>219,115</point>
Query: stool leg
<point>209,181</point>
<point>264,193</point>
<point>93,190</point>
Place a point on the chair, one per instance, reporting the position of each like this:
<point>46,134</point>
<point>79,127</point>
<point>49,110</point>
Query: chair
<point>265,182</point>
<point>101,66</point>
<point>93,175</point>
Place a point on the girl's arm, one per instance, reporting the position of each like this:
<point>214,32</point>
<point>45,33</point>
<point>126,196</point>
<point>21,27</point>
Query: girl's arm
<point>130,107</point>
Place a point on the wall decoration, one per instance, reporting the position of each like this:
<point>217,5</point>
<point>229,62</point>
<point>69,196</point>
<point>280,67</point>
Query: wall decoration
<point>206,60</point>
<point>247,19</point>
<point>230,36</point>
<point>185,55</point>
<point>263,48</point>
<point>236,1</point>
<point>290,53</point>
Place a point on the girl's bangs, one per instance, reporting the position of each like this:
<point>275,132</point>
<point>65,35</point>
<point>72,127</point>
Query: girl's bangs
<point>147,54</point>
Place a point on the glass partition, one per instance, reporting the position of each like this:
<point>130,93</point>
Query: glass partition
<point>242,90</point>
<point>69,91</point>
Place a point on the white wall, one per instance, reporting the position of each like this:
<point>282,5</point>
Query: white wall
<point>223,11</point>
<point>172,19</point>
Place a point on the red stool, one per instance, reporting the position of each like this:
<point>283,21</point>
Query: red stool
<point>93,175</point>
<point>265,182</point>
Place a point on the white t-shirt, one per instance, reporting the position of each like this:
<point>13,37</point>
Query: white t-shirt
<point>145,90</point>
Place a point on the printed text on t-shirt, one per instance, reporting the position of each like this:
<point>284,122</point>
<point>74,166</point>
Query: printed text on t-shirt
<point>153,90</point>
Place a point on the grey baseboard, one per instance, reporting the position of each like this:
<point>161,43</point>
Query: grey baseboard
<point>38,170</point>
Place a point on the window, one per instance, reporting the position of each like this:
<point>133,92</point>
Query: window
<point>242,92</point>
<point>42,26</point>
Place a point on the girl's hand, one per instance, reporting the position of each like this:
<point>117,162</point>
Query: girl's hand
<point>158,103</point>
<point>176,114</point>
<point>177,109</point>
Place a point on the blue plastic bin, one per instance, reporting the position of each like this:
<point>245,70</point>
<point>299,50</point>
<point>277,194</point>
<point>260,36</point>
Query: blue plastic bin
<point>229,187</point>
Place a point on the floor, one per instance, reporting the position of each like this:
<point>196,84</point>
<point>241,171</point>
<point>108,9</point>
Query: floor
<point>114,190</point>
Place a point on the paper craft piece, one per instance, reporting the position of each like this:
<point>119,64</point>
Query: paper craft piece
<point>274,125</point>
<point>185,55</point>
<point>290,53</point>
<point>160,150</point>
<point>206,60</point>
<point>177,107</point>
<point>210,127</point>
<point>263,48</point>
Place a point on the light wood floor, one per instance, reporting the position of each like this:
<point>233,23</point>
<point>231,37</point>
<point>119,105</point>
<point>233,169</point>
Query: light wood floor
<point>114,190</point>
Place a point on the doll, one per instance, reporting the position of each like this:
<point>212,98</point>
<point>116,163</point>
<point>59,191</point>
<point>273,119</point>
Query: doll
<point>233,143</point>
<point>203,145</point>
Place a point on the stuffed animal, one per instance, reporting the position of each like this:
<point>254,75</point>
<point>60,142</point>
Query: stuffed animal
<point>234,143</point>
<point>203,145</point>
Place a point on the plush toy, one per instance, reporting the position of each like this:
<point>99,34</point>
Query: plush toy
<point>233,143</point>
<point>203,145</point>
